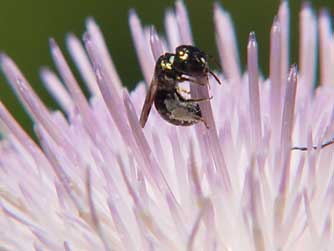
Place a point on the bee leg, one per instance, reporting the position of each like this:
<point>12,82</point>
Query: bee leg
<point>204,122</point>
<point>190,100</point>
<point>197,100</point>
<point>184,77</point>
<point>191,79</point>
<point>182,90</point>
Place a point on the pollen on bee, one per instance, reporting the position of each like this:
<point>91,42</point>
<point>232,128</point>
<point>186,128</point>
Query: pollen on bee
<point>184,56</point>
<point>163,65</point>
<point>166,65</point>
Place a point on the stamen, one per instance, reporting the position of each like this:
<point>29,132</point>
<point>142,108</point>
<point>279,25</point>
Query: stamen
<point>301,148</point>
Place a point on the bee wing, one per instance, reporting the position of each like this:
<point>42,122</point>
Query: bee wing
<point>148,102</point>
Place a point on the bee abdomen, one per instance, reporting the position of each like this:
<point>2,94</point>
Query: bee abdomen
<point>175,110</point>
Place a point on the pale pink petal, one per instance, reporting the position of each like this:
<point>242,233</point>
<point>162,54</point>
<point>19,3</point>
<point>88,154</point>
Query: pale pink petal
<point>261,177</point>
<point>254,95</point>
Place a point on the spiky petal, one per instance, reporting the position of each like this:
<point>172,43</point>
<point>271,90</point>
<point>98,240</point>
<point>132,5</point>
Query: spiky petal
<point>98,181</point>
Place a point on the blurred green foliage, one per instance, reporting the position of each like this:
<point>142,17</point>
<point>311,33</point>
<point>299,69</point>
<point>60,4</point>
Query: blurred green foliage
<point>25,27</point>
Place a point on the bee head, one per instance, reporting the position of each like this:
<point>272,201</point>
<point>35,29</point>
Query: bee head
<point>190,60</point>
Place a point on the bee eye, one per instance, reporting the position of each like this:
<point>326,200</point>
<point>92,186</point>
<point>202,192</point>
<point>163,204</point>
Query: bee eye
<point>183,56</point>
<point>203,60</point>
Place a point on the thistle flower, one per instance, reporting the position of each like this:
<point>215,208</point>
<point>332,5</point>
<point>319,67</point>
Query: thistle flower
<point>97,181</point>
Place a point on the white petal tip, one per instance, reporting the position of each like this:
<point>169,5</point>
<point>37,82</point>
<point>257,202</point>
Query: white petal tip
<point>70,37</point>
<point>284,4</point>
<point>252,37</point>
<point>53,43</point>
<point>252,43</point>
<point>324,13</point>
<point>133,17</point>
<point>132,13</point>
<point>44,71</point>
<point>216,6</point>
<point>3,57</point>
<point>293,72</point>
<point>307,5</point>
<point>90,20</point>
<point>91,23</point>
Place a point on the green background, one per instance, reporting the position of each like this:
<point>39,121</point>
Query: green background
<point>25,27</point>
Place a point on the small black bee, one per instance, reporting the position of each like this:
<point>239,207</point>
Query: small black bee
<point>167,97</point>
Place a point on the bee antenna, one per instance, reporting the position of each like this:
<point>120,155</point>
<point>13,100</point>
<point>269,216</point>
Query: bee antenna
<point>215,76</point>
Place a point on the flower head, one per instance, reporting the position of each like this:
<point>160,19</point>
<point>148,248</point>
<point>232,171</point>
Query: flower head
<point>98,181</point>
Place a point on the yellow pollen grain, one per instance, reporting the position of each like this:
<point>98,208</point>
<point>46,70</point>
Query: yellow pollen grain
<point>184,56</point>
<point>163,65</point>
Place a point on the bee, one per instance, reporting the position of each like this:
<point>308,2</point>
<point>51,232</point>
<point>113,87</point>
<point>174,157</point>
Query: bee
<point>167,97</point>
